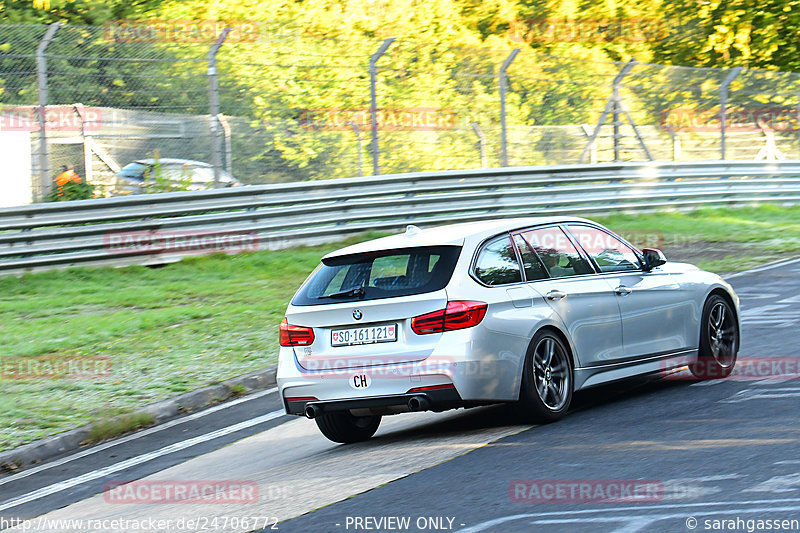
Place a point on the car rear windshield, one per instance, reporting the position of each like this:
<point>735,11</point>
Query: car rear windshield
<point>384,274</point>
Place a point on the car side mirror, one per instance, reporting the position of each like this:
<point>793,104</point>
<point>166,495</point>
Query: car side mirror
<point>653,257</point>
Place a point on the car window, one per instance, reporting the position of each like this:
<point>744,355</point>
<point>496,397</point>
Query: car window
<point>610,254</point>
<point>534,269</point>
<point>557,252</point>
<point>381,274</point>
<point>497,263</point>
<point>391,269</point>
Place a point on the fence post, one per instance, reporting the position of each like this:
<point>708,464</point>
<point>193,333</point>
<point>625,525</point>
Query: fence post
<point>676,143</point>
<point>80,112</point>
<point>587,131</point>
<point>213,103</point>
<point>481,142</point>
<point>41,80</point>
<point>723,103</point>
<point>373,109</point>
<point>616,99</point>
<point>503,89</point>
<point>226,129</point>
<point>357,131</point>
<point>615,106</point>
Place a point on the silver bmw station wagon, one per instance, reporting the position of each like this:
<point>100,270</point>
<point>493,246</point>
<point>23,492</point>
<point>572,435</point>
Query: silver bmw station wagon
<point>520,310</point>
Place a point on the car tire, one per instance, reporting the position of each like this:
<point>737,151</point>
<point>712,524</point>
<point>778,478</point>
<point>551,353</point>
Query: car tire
<point>346,428</point>
<point>719,340</point>
<point>547,379</point>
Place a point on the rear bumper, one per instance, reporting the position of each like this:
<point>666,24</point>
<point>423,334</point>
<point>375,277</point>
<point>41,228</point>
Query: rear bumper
<point>438,399</point>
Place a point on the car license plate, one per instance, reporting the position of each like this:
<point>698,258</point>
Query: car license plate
<point>367,335</point>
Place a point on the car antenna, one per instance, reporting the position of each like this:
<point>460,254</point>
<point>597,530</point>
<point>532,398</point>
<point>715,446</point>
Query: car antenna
<point>412,230</point>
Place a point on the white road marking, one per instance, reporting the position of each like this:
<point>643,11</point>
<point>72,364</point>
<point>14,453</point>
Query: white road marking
<point>133,461</point>
<point>769,266</point>
<point>759,311</point>
<point>759,394</point>
<point>773,506</point>
<point>773,381</point>
<point>638,523</point>
<point>630,524</point>
<point>133,436</point>
<point>778,484</point>
<point>692,488</point>
<point>298,470</point>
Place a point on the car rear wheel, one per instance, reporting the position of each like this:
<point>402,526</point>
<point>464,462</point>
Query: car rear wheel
<point>346,428</point>
<point>546,390</point>
<point>719,340</point>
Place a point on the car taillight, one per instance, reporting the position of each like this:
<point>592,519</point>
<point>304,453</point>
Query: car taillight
<point>457,315</point>
<point>295,335</point>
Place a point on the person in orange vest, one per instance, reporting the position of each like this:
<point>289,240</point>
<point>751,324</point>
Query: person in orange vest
<point>67,175</point>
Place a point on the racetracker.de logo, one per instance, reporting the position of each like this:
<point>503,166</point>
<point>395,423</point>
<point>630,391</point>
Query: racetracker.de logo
<point>387,119</point>
<point>749,369</point>
<point>781,119</point>
<point>55,367</point>
<point>628,30</point>
<point>381,368</point>
<point>56,118</point>
<point>180,242</point>
<point>188,492</point>
<point>180,31</point>
<point>585,490</point>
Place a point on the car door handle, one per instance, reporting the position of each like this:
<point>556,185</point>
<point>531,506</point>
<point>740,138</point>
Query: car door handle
<point>623,290</point>
<point>555,295</point>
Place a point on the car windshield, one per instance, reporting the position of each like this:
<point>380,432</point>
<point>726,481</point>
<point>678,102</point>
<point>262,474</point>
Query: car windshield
<point>133,170</point>
<point>384,274</point>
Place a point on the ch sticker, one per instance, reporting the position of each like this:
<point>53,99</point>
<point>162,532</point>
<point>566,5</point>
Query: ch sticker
<point>360,381</point>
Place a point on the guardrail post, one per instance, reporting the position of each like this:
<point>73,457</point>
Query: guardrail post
<point>503,90</point>
<point>213,104</point>
<point>41,80</point>
<point>373,109</point>
<point>723,104</point>
<point>481,142</point>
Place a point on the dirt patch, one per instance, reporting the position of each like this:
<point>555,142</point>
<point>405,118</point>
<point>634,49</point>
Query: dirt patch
<point>694,252</point>
<point>724,257</point>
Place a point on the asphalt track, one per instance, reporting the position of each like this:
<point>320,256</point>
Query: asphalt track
<point>717,455</point>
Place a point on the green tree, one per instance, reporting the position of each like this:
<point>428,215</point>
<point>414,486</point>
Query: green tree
<point>725,33</point>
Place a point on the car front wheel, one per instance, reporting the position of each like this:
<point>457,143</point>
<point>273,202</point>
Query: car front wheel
<point>546,390</point>
<point>719,340</point>
<point>346,428</point>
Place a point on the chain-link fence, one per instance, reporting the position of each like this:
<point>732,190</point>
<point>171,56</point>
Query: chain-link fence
<point>287,107</point>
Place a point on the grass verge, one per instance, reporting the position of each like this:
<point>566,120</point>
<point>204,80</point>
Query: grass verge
<point>119,425</point>
<point>169,330</point>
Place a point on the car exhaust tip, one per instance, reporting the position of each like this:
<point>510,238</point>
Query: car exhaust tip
<point>312,411</point>
<point>418,403</point>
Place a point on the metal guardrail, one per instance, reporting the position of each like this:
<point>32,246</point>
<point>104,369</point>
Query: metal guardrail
<point>43,236</point>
